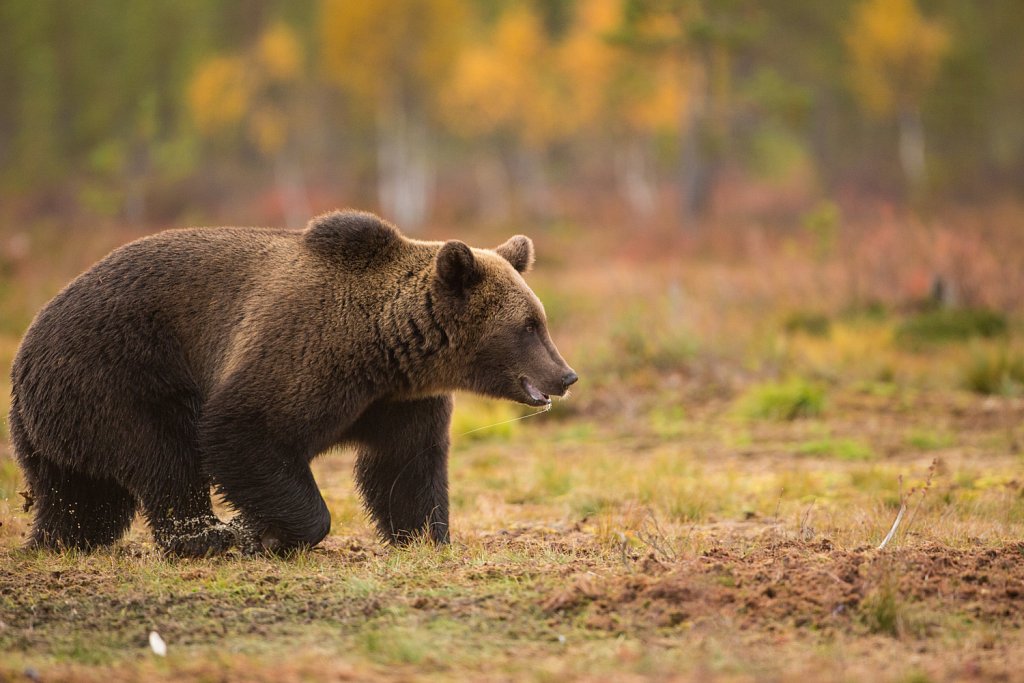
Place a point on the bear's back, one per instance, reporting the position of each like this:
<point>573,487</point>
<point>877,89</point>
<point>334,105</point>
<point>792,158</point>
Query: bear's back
<point>171,298</point>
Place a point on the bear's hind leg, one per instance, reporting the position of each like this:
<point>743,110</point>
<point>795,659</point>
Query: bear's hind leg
<point>72,510</point>
<point>402,467</point>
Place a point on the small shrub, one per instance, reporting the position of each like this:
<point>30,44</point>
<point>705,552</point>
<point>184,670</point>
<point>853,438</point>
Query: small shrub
<point>950,324</point>
<point>842,449</point>
<point>995,373</point>
<point>883,611</point>
<point>926,440</point>
<point>823,222</point>
<point>783,401</point>
<point>811,324</point>
<point>869,311</point>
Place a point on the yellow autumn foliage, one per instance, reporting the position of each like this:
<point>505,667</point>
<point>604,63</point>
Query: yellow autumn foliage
<point>508,83</point>
<point>664,99</point>
<point>373,49</point>
<point>589,62</point>
<point>234,91</point>
<point>268,129</point>
<point>279,53</point>
<point>895,53</point>
<point>609,86</point>
<point>219,94</point>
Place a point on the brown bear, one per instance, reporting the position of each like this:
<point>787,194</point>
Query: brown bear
<point>231,357</point>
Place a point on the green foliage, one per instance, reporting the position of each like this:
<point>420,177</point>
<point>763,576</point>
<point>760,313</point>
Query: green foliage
<point>948,325</point>
<point>928,440</point>
<point>999,372</point>
<point>788,400</point>
<point>886,611</point>
<point>823,223</point>
<point>841,449</point>
<point>776,152</point>
<point>883,610</point>
<point>809,323</point>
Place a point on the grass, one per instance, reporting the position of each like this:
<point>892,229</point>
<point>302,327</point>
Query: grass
<point>929,439</point>
<point>787,400</point>
<point>842,449</point>
<point>995,372</point>
<point>884,611</point>
<point>949,325</point>
<point>813,324</point>
<point>677,517</point>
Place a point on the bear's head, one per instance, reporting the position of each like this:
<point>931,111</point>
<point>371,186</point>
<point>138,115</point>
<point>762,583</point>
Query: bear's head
<point>502,341</point>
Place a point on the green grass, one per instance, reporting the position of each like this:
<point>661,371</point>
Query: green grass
<point>795,398</point>
<point>884,611</point>
<point>477,419</point>
<point>804,322</point>
<point>950,325</point>
<point>841,449</point>
<point>928,439</point>
<point>995,372</point>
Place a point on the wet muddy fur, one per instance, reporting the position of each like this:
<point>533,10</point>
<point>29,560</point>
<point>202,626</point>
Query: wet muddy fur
<point>229,358</point>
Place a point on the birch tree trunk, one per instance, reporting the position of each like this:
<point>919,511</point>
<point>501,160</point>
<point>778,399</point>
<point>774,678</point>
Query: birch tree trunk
<point>404,172</point>
<point>635,177</point>
<point>291,184</point>
<point>695,162</point>
<point>912,148</point>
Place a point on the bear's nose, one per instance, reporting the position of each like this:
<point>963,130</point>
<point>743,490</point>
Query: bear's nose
<point>569,379</point>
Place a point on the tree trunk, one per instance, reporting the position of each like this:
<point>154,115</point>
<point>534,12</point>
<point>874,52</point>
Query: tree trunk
<point>531,175</point>
<point>695,167</point>
<point>291,185</point>
<point>911,147</point>
<point>635,177</point>
<point>494,204</point>
<point>404,172</point>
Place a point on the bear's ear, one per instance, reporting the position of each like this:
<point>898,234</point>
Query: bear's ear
<point>351,233</point>
<point>457,268</point>
<point>518,251</point>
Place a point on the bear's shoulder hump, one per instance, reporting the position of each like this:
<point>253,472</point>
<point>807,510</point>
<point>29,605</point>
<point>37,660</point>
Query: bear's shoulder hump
<point>351,233</point>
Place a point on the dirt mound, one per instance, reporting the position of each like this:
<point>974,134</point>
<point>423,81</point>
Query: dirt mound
<point>803,585</point>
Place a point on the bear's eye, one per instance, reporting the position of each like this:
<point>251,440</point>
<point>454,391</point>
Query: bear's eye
<point>531,326</point>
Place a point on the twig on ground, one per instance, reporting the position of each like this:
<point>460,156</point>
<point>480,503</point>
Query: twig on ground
<point>895,525</point>
<point>904,502</point>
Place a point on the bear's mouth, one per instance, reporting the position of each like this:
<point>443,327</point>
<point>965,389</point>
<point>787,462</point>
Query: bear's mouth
<point>537,397</point>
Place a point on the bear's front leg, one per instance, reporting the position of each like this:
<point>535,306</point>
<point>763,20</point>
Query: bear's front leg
<point>402,467</point>
<point>263,473</point>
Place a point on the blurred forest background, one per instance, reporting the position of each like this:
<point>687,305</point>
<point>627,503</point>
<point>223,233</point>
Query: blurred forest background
<point>664,113</point>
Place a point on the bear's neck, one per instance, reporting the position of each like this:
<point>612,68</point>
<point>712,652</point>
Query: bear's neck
<point>416,345</point>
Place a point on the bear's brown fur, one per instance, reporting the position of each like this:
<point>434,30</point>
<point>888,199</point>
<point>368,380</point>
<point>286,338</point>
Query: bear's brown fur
<point>231,357</point>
